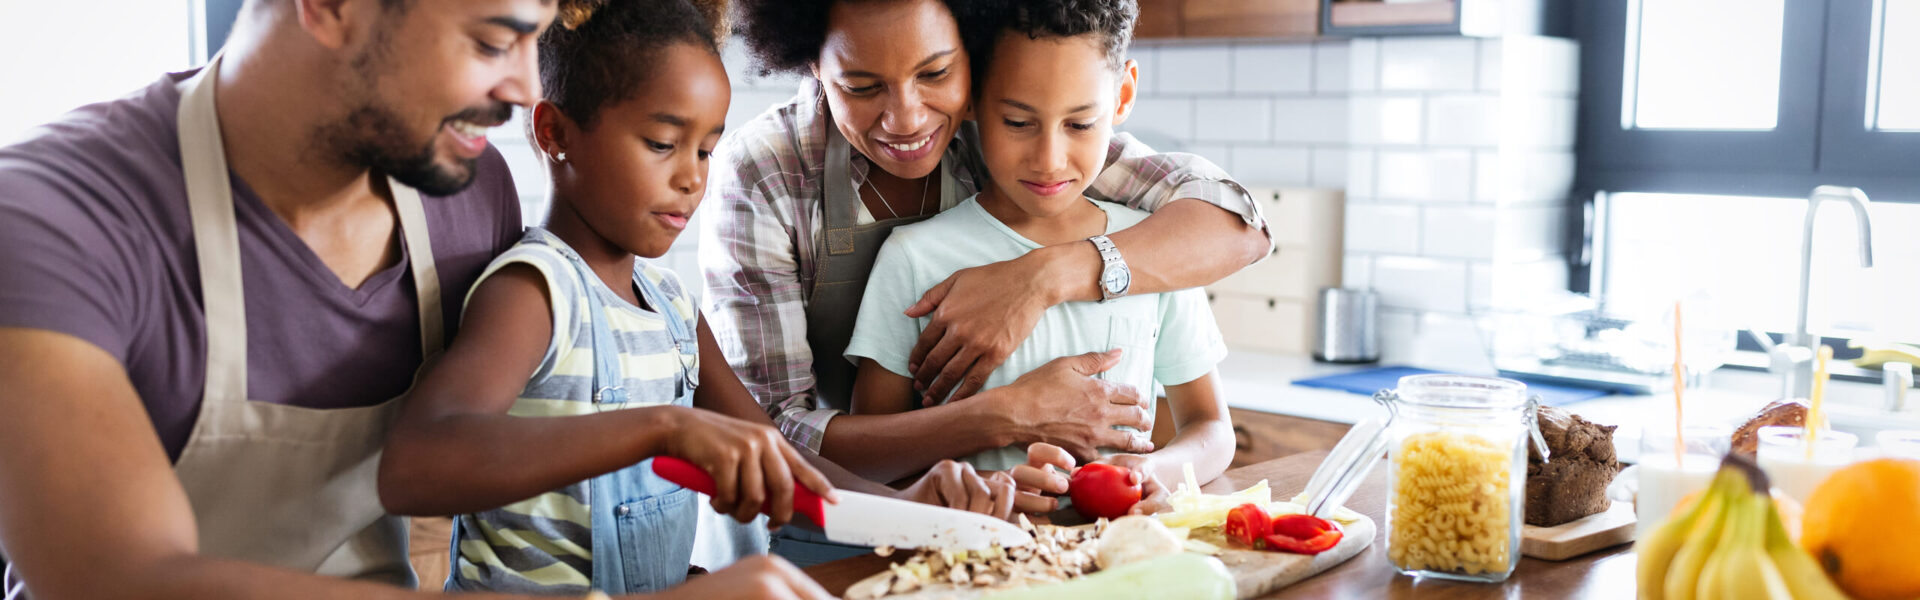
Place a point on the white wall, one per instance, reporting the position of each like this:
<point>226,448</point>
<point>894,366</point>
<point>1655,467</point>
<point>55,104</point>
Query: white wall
<point>1460,164</point>
<point>1273,114</point>
<point>1456,155</point>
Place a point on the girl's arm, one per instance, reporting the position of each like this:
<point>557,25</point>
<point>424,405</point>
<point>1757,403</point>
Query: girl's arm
<point>947,483</point>
<point>455,449</point>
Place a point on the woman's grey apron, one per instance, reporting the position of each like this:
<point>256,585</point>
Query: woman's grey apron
<point>843,257</point>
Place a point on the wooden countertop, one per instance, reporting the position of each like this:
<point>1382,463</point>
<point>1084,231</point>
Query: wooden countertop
<point>1604,574</point>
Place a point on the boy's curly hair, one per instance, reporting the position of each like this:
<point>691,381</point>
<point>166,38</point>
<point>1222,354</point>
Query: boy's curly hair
<point>785,36</point>
<point>1111,20</point>
<point>600,52</point>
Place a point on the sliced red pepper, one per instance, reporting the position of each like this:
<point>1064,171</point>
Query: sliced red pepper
<point>1302,534</point>
<point>1248,524</point>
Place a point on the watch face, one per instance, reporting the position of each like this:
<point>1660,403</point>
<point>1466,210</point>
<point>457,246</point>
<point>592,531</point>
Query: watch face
<point>1116,279</point>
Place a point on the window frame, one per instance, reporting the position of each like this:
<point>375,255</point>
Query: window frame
<point>1818,139</point>
<point>1846,146</point>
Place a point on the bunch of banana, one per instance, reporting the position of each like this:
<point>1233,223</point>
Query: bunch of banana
<point>1730,544</point>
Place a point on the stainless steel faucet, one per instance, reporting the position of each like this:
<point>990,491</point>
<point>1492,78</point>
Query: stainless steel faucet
<point>1797,377</point>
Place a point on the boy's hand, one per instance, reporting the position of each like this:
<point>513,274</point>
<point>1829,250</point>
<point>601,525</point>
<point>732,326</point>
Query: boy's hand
<point>752,465</point>
<point>1063,404</point>
<point>1153,495</point>
<point>752,577</point>
<point>955,484</point>
<point>979,315</point>
<point>1038,483</point>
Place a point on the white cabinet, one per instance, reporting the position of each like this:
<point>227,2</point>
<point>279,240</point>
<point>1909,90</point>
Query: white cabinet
<point>1271,305</point>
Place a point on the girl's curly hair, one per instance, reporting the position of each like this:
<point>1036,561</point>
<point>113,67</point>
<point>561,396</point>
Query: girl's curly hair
<point>600,52</point>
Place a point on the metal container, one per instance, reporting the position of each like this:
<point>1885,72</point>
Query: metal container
<point>1348,324</point>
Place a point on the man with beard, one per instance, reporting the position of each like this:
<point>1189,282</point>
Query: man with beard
<point>212,288</point>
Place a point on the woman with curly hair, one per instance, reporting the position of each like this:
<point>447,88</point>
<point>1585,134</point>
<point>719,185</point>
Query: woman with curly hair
<point>878,136</point>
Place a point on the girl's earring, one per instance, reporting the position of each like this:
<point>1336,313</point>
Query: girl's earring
<point>560,157</point>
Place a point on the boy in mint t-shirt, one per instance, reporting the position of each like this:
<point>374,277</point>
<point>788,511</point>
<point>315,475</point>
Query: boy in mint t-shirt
<point>1055,85</point>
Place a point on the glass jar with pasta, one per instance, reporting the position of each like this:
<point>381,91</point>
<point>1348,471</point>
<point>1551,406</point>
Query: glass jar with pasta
<point>1457,467</point>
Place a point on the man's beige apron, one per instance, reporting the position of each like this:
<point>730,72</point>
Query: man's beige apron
<point>275,484</point>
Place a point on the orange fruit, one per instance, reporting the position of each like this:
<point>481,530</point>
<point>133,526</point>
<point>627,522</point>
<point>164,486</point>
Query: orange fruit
<point>1863,525</point>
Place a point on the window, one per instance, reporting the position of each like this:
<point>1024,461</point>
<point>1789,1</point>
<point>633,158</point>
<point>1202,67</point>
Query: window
<point>1893,73</point>
<point>1704,126</point>
<point>1743,253</point>
<point>1679,75</point>
<point>61,56</point>
<point>1750,97</point>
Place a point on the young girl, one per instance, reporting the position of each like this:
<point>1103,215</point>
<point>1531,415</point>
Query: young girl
<point>576,362</point>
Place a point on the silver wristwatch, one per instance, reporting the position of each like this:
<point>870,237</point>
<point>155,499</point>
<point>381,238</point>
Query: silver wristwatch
<point>1115,278</point>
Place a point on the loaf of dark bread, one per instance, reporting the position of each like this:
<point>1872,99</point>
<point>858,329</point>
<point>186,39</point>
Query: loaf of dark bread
<point>1788,413</point>
<point>1573,484</point>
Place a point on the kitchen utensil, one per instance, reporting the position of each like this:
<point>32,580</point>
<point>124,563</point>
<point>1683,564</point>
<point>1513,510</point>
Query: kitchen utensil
<point>1348,322</point>
<point>869,520</point>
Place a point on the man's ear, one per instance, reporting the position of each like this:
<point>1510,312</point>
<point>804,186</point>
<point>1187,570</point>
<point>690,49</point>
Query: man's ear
<point>332,22</point>
<point>1129,89</point>
<point>549,129</point>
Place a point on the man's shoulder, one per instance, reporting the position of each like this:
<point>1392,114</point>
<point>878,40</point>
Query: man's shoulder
<point>120,151</point>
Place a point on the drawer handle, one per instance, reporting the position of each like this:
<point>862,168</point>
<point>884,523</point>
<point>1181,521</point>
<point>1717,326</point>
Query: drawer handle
<point>1242,440</point>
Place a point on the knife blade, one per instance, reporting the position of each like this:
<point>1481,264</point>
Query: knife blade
<point>870,520</point>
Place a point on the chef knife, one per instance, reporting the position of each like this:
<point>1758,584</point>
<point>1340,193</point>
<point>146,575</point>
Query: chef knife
<point>869,520</point>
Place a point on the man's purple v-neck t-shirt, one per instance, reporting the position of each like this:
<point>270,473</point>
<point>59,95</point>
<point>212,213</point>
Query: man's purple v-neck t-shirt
<point>95,242</point>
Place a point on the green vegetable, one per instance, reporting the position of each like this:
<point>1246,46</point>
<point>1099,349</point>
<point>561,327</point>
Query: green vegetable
<point>1183,575</point>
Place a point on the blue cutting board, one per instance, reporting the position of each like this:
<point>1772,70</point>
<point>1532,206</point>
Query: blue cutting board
<point>1385,378</point>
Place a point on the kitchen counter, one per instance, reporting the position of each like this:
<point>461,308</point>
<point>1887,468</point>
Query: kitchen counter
<point>1264,382</point>
<point>1604,574</point>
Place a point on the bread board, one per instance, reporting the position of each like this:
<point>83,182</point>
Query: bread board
<point>1255,573</point>
<point>1604,529</point>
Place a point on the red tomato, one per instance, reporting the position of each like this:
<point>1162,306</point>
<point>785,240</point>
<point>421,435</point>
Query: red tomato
<point>1102,490</point>
<point>1303,534</point>
<point>1247,523</point>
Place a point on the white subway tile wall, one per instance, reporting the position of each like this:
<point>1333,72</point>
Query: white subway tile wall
<point>1233,119</point>
<point>1273,69</point>
<point>1383,229</point>
<point>1329,168</point>
<point>1272,113</point>
<point>1196,69</point>
<point>1423,284</point>
<point>1429,64</point>
<point>1270,163</point>
<point>1459,232</point>
<point>1320,120</point>
<point>1459,167</point>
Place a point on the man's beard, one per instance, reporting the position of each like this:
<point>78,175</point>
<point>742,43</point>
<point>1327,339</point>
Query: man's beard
<point>376,137</point>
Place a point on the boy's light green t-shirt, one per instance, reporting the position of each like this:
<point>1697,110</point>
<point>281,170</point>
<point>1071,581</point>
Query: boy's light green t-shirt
<point>1167,338</point>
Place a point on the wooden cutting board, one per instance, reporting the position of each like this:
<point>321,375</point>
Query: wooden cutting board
<point>1255,573</point>
<point>1604,529</point>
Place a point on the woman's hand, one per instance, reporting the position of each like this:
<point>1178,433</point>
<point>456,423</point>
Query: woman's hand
<point>978,316</point>
<point>753,466</point>
<point>1063,404</point>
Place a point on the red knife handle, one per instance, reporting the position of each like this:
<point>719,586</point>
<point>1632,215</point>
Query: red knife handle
<point>686,475</point>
